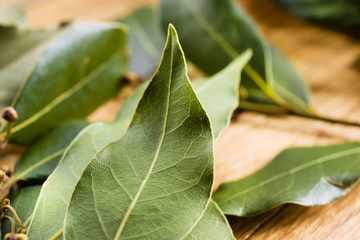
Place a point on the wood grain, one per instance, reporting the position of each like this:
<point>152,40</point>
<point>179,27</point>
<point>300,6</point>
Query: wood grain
<point>325,58</point>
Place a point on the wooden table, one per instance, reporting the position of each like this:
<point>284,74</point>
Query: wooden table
<point>325,58</point>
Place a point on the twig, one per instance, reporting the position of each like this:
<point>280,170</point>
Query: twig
<point>327,119</point>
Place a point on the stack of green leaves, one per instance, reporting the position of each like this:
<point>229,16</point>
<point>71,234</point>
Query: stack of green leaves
<point>149,173</point>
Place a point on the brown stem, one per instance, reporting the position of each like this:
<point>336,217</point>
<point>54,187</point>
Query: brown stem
<point>328,119</point>
<point>276,111</point>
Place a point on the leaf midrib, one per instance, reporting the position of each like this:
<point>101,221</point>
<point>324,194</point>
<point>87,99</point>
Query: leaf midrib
<point>227,48</point>
<point>65,95</point>
<point>295,170</point>
<point>133,203</point>
<point>248,69</point>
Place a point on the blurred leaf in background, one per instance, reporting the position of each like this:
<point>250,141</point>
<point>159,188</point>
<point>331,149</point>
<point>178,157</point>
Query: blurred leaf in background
<point>146,41</point>
<point>340,13</point>
<point>71,79</point>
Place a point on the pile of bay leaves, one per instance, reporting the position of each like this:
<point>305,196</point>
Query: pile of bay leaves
<point>149,174</point>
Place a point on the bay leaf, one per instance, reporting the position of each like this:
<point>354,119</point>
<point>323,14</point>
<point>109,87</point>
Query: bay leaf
<point>20,49</point>
<point>77,73</point>
<point>146,41</point>
<point>160,172</point>
<point>307,176</point>
<point>214,32</point>
<point>22,199</point>
<point>219,95</point>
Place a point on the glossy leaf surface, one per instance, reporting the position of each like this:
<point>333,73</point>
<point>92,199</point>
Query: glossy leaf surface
<point>146,40</point>
<point>160,172</point>
<point>20,49</point>
<point>39,160</point>
<point>307,176</point>
<point>218,33</point>
<point>77,73</point>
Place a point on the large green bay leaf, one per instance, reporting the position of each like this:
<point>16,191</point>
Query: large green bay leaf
<point>54,196</point>
<point>22,199</point>
<point>146,41</point>
<point>77,73</point>
<point>20,49</point>
<point>307,176</point>
<point>156,181</point>
<point>58,197</point>
<point>214,32</point>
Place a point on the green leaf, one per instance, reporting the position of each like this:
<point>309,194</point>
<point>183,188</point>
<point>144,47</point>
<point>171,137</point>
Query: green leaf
<point>160,172</point>
<point>219,95</point>
<point>78,72</point>
<point>22,199</point>
<point>342,13</point>
<point>213,225</point>
<point>57,189</point>
<point>307,176</point>
<point>39,160</point>
<point>218,32</point>
<point>146,40</point>
<point>20,49</point>
<point>12,17</point>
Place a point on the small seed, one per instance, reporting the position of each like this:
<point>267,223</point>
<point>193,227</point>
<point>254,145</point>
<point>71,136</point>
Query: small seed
<point>16,236</point>
<point>9,114</point>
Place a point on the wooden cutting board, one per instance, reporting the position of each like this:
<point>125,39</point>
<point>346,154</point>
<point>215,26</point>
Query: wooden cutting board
<point>328,61</point>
